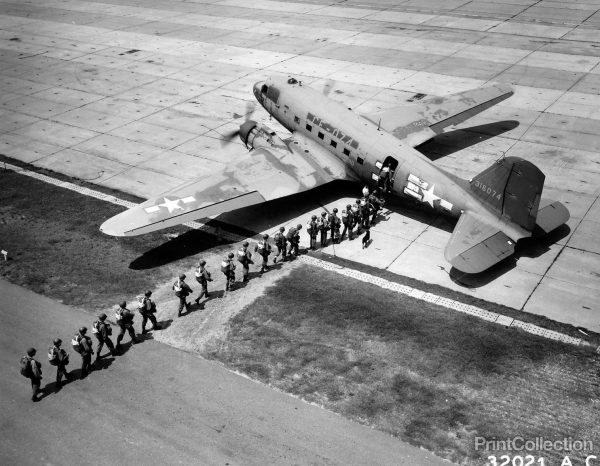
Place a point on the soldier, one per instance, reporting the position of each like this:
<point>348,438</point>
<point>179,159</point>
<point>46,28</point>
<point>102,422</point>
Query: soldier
<point>356,216</point>
<point>245,258</point>
<point>376,203</point>
<point>60,358</point>
<point>147,309</point>
<point>384,178</point>
<point>280,242</point>
<point>264,249</point>
<point>182,290</point>
<point>334,224</point>
<point>103,331</point>
<point>32,369</point>
<point>293,237</point>
<point>312,229</point>
<point>202,277</point>
<point>124,318</point>
<point>228,268</point>
<point>323,227</point>
<point>83,345</point>
<point>364,213</point>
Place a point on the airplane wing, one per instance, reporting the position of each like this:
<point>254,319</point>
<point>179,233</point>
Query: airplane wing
<point>267,173</point>
<point>475,246</point>
<point>421,121</point>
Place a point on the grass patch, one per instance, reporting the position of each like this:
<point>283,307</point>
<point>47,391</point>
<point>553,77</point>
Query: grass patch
<point>431,376</point>
<point>56,248</point>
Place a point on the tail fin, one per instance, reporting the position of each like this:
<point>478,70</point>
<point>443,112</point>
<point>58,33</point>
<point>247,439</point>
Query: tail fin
<point>512,187</point>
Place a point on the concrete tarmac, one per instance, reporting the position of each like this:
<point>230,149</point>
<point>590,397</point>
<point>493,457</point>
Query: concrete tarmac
<point>137,95</point>
<point>156,405</point>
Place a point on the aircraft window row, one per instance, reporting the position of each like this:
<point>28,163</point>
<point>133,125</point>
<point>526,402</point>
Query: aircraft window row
<point>322,136</point>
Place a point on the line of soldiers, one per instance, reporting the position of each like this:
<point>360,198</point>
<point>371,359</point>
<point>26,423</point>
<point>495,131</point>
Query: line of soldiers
<point>362,214</point>
<point>82,344</point>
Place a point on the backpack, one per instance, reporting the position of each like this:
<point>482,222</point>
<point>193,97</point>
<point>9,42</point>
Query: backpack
<point>279,238</point>
<point>177,286</point>
<point>76,343</point>
<point>119,315</point>
<point>26,367</point>
<point>95,327</point>
<point>225,266</point>
<point>52,356</point>
<point>241,255</point>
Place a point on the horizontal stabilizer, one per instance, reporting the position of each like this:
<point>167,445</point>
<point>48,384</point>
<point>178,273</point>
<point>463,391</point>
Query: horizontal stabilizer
<point>475,246</point>
<point>551,215</point>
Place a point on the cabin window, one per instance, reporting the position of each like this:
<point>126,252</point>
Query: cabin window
<point>333,143</point>
<point>321,135</point>
<point>308,127</point>
<point>296,120</point>
<point>360,160</point>
<point>346,151</point>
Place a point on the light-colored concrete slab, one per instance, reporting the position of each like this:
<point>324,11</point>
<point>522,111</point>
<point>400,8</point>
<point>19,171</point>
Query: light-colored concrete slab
<point>56,133</point>
<point>122,107</point>
<point>24,148</point>
<point>159,136</point>
<point>180,165</point>
<point>67,96</point>
<point>587,235</point>
<point>529,29</point>
<point>577,104</point>
<point>92,120</point>
<point>560,61</point>
<point>142,182</point>
<point>84,166</point>
<point>119,149</point>
<point>10,120</point>
<point>566,302</point>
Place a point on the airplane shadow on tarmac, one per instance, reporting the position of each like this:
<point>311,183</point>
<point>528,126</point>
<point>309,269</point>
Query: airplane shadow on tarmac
<point>531,247</point>
<point>246,222</point>
<point>452,141</point>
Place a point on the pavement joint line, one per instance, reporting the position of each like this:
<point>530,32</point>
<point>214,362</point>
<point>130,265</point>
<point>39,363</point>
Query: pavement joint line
<point>353,273</point>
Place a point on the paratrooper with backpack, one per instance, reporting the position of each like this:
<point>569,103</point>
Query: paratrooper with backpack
<point>58,357</point>
<point>147,309</point>
<point>103,331</point>
<point>293,237</point>
<point>312,228</point>
<point>32,369</point>
<point>323,228</point>
<point>334,225</point>
<point>245,258</point>
<point>228,269</point>
<point>83,345</point>
<point>263,248</point>
<point>124,318</point>
<point>203,277</point>
<point>280,242</point>
<point>182,291</point>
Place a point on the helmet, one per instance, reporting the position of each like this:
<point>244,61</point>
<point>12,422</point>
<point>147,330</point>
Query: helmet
<point>57,341</point>
<point>148,293</point>
<point>182,276</point>
<point>358,201</point>
<point>82,330</point>
<point>30,351</point>
<point>299,227</point>
<point>314,217</point>
<point>265,236</point>
<point>245,244</point>
<point>102,316</point>
<point>281,229</point>
<point>335,210</point>
<point>202,262</point>
<point>230,256</point>
<point>123,304</point>
<point>348,207</point>
<point>323,214</point>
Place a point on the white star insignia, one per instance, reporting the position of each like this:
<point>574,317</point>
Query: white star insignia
<point>428,195</point>
<point>171,205</point>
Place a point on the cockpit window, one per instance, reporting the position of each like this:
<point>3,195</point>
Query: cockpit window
<point>273,94</point>
<point>264,89</point>
<point>292,81</point>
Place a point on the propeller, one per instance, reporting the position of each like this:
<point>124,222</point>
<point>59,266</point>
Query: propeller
<point>230,136</point>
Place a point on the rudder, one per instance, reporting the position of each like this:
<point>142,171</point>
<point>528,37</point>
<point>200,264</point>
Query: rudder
<point>512,187</point>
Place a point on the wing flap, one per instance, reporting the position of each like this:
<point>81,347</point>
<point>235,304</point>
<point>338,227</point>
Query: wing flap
<point>475,246</point>
<point>419,122</point>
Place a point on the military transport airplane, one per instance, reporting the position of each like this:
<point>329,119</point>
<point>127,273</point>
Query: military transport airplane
<point>331,142</point>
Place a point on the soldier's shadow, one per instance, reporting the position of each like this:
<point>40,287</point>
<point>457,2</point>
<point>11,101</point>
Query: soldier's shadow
<point>165,324</point>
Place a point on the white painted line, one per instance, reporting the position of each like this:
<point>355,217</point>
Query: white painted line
<point>364,277</point>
